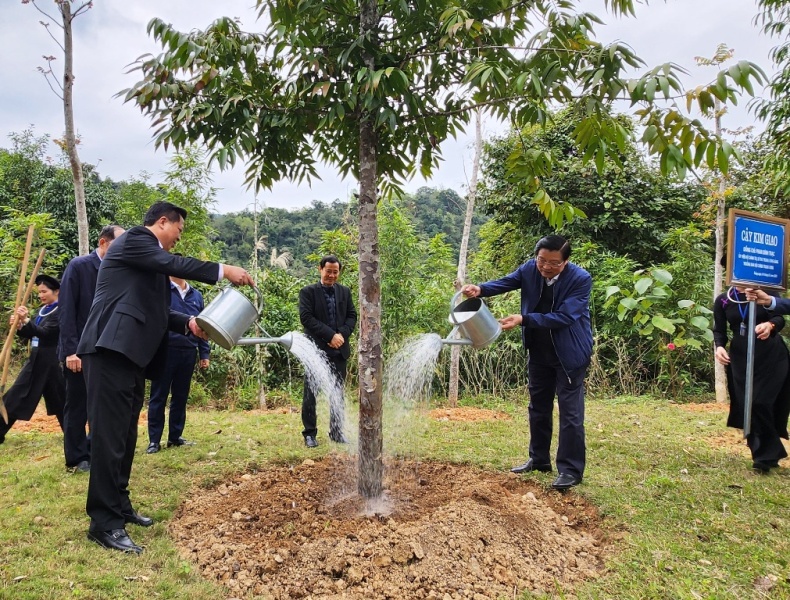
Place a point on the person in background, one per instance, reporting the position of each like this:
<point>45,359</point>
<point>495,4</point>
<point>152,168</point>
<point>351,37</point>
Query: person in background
<point>76,296</point>
<point>328,316</point>
<point>41,374</point>
<point>179,367</point>
<point>771,378</point>
<point>123,343</point>
<point>555,330</point>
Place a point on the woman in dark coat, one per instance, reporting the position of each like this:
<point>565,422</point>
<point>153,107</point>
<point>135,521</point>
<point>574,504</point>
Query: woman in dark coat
<point>771,384</point>
<point>41,374</point>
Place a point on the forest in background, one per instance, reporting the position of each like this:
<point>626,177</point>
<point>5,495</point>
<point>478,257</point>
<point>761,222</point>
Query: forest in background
<point>646,239</point>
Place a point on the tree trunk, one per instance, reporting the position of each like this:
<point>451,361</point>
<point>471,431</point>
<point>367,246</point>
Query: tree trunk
<point>71,138</point>
<point>720,376</point>
<point>371,463</point>
<point>455,352</point>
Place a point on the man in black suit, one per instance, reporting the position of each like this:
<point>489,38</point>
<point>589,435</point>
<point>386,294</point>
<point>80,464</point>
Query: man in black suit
<point>123,343</point>
<point>328,316</point>
<point>76,297</point>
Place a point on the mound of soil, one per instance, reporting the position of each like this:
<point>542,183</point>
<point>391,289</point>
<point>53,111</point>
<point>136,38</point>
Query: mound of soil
<point>441,531</point>
<point>468,414</point>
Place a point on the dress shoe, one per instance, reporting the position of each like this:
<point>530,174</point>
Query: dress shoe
<point>153,448</point>
<point>115,539</point>
<point>83,467</point>
<point>179,442</point>
<point>339,439</point>
<point>565,481</point>
<point>136,518</point>
<point>531,466</point>
<point>310,442</point>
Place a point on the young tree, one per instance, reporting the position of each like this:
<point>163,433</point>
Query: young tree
<point>374,88</point>
<point>66,94</point>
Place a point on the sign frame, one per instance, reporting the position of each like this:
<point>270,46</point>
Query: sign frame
<point>735,214</point>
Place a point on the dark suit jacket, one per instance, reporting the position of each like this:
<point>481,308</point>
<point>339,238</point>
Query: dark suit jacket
<point>314,317</point>
<point>74,302</point>
<point>131,308</point>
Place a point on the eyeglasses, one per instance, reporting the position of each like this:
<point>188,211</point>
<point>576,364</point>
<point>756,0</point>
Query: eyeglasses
<point>551,263</point>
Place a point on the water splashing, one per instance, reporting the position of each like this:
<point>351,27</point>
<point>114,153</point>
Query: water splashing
<point>321,378</point>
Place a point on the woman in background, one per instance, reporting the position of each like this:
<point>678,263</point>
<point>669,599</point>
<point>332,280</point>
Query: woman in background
<point>770,391</point>
<point>41,374</point>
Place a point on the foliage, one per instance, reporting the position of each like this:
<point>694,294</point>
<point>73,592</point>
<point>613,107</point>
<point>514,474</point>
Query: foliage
<point>627,209</point>
<point>33,182</point>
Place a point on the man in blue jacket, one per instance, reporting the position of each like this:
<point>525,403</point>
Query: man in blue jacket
<point>179,367</point>
<point>555,329</point>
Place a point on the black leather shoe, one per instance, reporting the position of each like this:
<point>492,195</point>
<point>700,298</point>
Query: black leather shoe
<point>310,442</point>
<point>153,448</point>
<point>340,439</point>
<point>531,466</point>
<point>565,481</point>
<point>83,467</point>
<point>179,442</point>
<point>115,539</point>
<point>136,518</point>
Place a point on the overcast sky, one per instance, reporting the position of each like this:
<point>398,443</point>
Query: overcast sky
<point>118,138</point>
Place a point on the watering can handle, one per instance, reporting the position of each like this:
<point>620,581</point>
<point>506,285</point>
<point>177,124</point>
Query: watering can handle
<point>452,307</point>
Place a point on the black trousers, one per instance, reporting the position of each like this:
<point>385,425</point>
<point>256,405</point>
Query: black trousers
<point>76,443</point>
<point>546,381</point>
<point>175,382</point>
<point>115,397</point>
<point>309,418</point>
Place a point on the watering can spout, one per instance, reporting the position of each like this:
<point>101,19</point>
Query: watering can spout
<point>286,340</point>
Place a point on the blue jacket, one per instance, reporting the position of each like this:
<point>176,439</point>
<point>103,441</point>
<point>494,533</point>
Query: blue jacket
<point>191,304</point>
<point>569,319</point>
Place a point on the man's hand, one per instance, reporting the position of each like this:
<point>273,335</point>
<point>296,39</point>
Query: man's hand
<point>237,275</point>
<point>203,363</point>
<point>759,296</point>
<point>74,363</point>
<point>337,341</point>
<point>470,290</point>
<point>722,356</point>
<point>195,329</point>
<point>511,321</point>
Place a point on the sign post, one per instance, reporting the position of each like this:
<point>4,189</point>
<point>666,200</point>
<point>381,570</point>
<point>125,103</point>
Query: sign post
<point>757,257</point>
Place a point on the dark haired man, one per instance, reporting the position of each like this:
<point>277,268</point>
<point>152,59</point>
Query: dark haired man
<point>123,343</point>
<point>76,296</point>
<point>328,316</point>
<point>555,329</point>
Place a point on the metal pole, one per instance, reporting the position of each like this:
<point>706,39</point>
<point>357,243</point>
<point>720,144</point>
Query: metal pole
<point>747,400</point>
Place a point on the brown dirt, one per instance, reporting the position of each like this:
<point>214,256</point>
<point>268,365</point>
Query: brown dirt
<point>441,531</point>
<point>468,414</point>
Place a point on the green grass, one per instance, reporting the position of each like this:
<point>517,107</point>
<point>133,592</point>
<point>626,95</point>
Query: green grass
<point>686,519</point>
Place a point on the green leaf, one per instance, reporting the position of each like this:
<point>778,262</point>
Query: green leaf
<point>663,276</point>
<point>700,322</point>
<point>642,285</point>
<point>612,289</point>
<point>628,303</point>
<point>663,324</point>
<point>685,303</point>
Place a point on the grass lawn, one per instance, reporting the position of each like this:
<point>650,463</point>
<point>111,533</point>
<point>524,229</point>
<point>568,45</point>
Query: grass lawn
<point>688,516</point>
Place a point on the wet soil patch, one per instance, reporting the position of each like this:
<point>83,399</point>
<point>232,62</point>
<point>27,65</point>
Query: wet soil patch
<point>440,531</point>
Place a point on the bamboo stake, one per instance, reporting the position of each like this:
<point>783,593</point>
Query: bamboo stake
<point>6,356</point>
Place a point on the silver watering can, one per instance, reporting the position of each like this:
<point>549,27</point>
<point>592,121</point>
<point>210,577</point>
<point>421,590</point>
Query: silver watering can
<point>229,316</point>
<point>473,321</point>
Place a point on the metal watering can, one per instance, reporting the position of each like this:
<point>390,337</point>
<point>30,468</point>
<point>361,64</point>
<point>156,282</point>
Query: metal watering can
<point>229,316</point>
<point>473,321</point>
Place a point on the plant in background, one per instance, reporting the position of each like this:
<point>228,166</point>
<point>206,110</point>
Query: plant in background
<point>676,329</point>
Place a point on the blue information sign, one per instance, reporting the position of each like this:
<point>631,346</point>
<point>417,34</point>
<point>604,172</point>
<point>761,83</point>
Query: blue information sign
<point>757,250</point>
